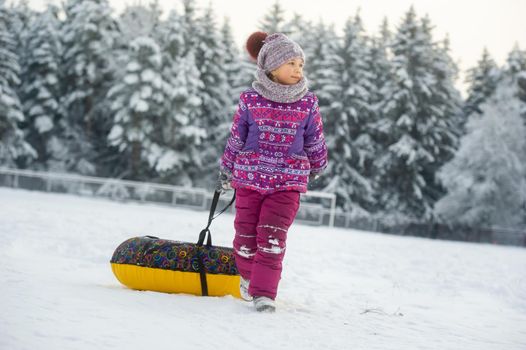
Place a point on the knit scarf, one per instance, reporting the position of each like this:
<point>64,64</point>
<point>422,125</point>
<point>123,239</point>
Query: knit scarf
<point>278,92</point>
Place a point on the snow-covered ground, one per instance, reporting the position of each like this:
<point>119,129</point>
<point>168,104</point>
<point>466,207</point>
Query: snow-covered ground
<point>341,289</point>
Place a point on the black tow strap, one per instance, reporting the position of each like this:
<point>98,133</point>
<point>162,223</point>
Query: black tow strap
<point>205,234</point>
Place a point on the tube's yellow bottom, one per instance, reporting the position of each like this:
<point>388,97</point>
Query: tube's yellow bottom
<point>168,281</point>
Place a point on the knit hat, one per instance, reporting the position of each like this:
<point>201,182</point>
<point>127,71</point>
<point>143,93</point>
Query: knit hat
<point>271,51</point>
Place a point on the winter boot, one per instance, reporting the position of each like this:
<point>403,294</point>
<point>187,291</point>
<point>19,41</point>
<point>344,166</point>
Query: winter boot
<point>243,289</point>
<point>264,304</point>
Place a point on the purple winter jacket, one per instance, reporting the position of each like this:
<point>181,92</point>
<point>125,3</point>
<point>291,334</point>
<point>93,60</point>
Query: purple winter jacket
<point>275,146</point>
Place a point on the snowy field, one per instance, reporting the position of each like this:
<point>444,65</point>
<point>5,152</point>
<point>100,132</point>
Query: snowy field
<point>341,289</point>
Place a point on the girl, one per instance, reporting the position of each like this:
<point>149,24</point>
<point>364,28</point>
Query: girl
<point>276,146</point>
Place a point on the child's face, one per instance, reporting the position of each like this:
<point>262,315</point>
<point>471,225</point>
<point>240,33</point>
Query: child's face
<point>289,73</point>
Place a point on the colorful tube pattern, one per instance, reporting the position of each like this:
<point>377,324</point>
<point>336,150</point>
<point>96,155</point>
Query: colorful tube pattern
<point>150,263</point>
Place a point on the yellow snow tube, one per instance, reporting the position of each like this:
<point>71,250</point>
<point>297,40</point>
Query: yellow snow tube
<point>149,263</point>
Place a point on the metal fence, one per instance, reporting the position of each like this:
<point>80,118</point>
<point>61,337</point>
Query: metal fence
<point>317,208</point>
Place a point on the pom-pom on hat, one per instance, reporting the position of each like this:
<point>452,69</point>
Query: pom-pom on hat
<point>271,51</point>
<point>254,43</point>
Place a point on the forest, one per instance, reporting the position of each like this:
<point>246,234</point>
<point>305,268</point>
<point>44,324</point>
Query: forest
<point>149,96</point>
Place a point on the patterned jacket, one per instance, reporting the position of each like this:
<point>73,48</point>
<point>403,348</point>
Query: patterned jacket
<point>275,146</point>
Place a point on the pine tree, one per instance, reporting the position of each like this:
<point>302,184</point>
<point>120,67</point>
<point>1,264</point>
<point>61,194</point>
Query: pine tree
<point>443,108</point>
<point>172,39</point>
<point>446,71</point>
<point>215,94</point>
<point>320,70</point>
<point>295,30</point>
<point>379,61</point>
<point>349,111</point>
<point>139,20</point>
<point>233,65</point>
<point>191,27</point>
<point>274,20</point>
<point>418,125</point>
<point>40,91</point>
<point>137,104</point>
<point>14,150</point>
<point>183,135</point>
<point>486,179</point>
<point>21,16</point>
<point>516,62</point>
<point>380,67</point>
<point>482,80</point>
<point>90,36</point>
<point>515,70</point>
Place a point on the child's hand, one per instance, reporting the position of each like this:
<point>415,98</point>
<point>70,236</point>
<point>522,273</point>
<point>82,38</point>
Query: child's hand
<point>223,182</point>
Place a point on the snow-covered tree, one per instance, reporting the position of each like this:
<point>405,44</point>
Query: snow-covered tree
<point>13,148</point>
<point>139,20</point>
<point>21,16</point>
<point>172,40</point>
<point>321,55</point>
<point>379,59</point>
<point>349,112</point>
<point>295,30</point>
<point>446,72</point>
<point>482,80</point>
<point>215,94</point>
<point>137,102</point>
<point>486,179</point>
<point>40,91</point>
<point>515,69</point>
<point>246,76</point>
<point>516,62</point>
<point>418,121</point>
<point>379,66</point>
<point>443,106</point>
<point>274,20</point>
<point>183,133</point>
<point>191,27</point>
<point>521,82</point>
<point>233,64</point>
<point>89,36</point>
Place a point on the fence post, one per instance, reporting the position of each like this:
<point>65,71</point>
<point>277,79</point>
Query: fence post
<point>174,198</point>
<point>333,211</point>
<point>48,184</point>
<point>145,193</point>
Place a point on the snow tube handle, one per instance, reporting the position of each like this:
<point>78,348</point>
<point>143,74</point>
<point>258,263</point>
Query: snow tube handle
<point>206,231</point>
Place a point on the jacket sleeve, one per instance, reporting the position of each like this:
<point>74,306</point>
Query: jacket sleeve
<point>237,139</point>
<point>314,145</point>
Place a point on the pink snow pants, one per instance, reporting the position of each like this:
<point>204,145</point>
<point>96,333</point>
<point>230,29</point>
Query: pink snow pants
<point>261,224</point>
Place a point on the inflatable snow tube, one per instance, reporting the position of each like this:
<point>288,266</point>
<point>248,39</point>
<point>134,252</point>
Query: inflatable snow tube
<point>150,263</point>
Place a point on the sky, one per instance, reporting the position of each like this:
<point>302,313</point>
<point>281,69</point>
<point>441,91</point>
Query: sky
<point>470,24</point>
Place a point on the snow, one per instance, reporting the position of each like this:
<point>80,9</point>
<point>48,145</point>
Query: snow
<point>6,99</point>
<point>115,133</point>
<point>133,66</point>
<point>131,79</point>
<point>140,106</point>
<point>148,75</point>
<point>137,104</point>
<point>43,124</point>
<point>340,289</point>
<point>167,160</point>
<point>146,92</point>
